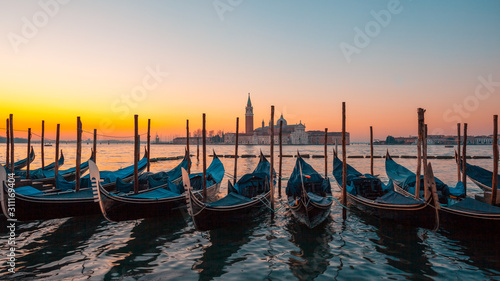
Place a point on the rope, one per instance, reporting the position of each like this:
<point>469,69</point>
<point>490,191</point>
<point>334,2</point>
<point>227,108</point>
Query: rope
<point>338,202</point>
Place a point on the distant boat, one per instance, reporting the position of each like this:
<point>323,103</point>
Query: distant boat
<point>47,144</point>
<point>449,146</point>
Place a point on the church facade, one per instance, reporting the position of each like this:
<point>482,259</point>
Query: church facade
<point>291,134</point>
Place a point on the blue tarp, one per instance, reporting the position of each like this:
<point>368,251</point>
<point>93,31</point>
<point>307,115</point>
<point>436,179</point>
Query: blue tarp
<point>319,199</point>
<point>472,205</point>
<point>215,174</point>
<point>158,193</point>
<point>395,198</point>
<point>481,175</point>
<point>406,179</point>
<point>41,174</point>
<point>230,199</point>
<point>309,177</point>
<point>28,191</point>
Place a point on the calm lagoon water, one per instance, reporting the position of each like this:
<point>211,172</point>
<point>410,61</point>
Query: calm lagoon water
<point>270,247</point>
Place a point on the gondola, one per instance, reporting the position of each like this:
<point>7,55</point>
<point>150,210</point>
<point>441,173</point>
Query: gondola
<point>34,204</point>
<point>456,212</point>
<point>37,172</point>
<point>49,176</point>
<point>368,194</point>
<point>406,179</point>
<point>309,194</point>
<point>249,196</point>
<point>480,176</point>
<point>23,162</point>
<point>164,199</point>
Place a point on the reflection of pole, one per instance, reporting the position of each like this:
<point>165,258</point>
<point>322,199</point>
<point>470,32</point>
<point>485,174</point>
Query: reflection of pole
<point>458,152</point>
<point>494,182</point>
<point>464,161</point>
<point>236,151</point>
<point>344,165</point>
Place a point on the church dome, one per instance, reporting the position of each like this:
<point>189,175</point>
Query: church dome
<point>280,120</point>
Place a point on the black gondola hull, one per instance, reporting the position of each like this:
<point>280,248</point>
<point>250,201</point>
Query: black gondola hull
<point>469,223</point>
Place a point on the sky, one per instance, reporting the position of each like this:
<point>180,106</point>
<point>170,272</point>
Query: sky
<point>170,61</point>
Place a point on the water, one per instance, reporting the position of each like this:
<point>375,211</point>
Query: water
<point>266,248</point>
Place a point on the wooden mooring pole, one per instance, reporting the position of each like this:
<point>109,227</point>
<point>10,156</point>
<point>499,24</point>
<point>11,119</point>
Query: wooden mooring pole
<point>424,160</point>
<point>149,145</point>
<point>236,151</point>
<point>29,150</point>
<point>7,157</point>
<point>459,178</point>
<point>326,153</point>
<point>204,143</point>
<point>371,150</point>
<point>187,147</point>
<point>42,145</point>
<point>12,143</point>
<point>271,183</point>
<point>78,152</point>
<point>344,163</point>
<point>94,147</point>
<point>56,168</point>
<point>464,160</point>
<point>136,153</point>
<point>420,112</point>
<point>494,182</point>
<point>280,175</point>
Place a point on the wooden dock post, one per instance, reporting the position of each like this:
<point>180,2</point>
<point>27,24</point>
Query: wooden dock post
<point>458,153</point>
<point>56,168</point>
<point>187,147</point>
<point>271,183</point>
<point>149,145</point>
<point>29,150</point>
<point>136,153</point>
<point>494,182</point>
<point>281,158</point>
<point>94,149</point>
<point>344,163</point>
<point>371,150</point>
<point>419,151</point>
<point>42,144</point>
<point>78,152</point>
<point>326,153</point>
<point>12,143</point>
<point>7,155</point>
<point>464,160</point>
<point>204,143</point>
<point>424,160</point>
<point>236,151</point>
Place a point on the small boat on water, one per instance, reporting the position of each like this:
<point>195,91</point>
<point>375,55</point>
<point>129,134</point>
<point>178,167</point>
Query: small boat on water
<point>370,195</point>
<point>309,194</point>
<point>456,212</point>
<point>37,172</point>
<point>64,201</point>
<point>23,162</point>
<point>163,197</point>
<point>480,176</point>
<point>248,197</point>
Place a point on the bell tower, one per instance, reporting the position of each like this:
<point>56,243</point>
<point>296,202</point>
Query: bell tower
<point>249,117</point>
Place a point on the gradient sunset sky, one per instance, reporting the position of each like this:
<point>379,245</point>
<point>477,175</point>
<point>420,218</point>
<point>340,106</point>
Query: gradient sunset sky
<point>91,58</point>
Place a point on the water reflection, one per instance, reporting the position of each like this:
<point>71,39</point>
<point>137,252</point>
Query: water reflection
<point>145,245</point>
<point>55,249</point>
<point>225,242</point>
<point>315,253</point>
<point>402,246</point>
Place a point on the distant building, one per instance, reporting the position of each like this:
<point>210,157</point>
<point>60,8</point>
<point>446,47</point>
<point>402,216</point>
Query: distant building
<point>291,134</point>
